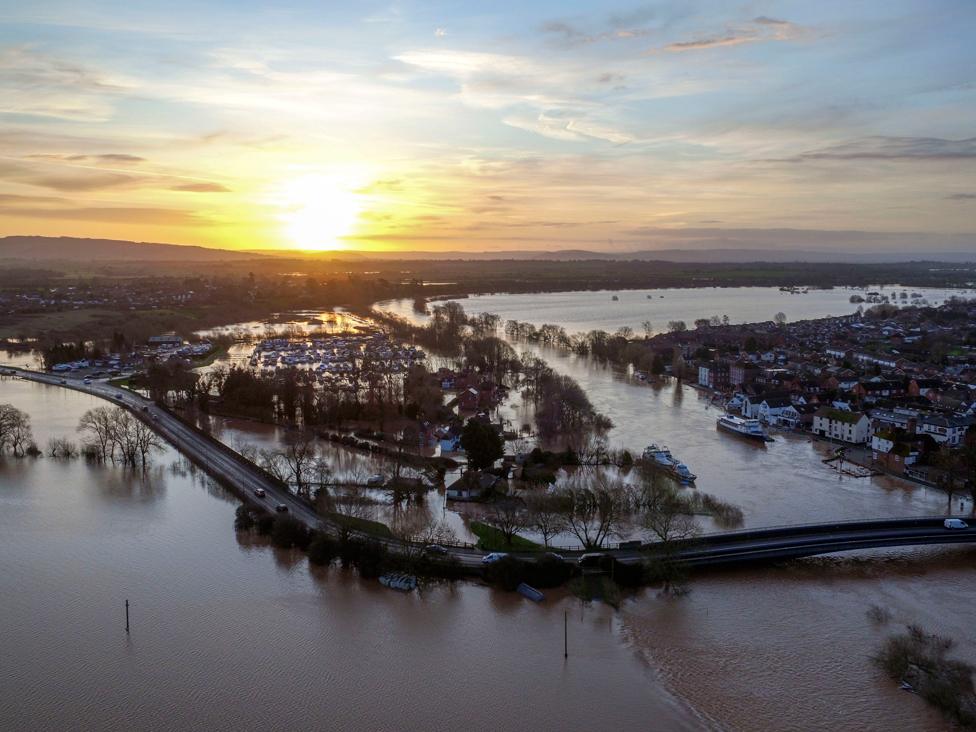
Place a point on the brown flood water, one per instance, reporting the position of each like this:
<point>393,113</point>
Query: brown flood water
<point>228,636</point>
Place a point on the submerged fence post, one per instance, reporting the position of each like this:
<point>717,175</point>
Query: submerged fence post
<point>565,633</point>
<point>126,616</point>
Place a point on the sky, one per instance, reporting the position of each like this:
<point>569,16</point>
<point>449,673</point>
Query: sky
<point>469,126</point>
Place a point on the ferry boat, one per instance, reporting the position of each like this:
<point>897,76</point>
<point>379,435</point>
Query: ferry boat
<point>662,459</point>
<point>749,428</point>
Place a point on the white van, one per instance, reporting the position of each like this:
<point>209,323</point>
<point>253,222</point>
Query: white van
<point>955,524</point>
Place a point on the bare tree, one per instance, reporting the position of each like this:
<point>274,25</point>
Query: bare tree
<point>300,458</point>
<point>594,509</point>
<point>546,514</point>
<point>97,425</point>
<point>509,517</point>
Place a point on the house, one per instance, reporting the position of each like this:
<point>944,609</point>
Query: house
<point>946,430</point>
<point>471,486</point>
<point>714,374</point>
<point>922,387</point>
<point>903,419</point>
<point>742,373</point>
<point>449,439</point>
<point>772,407</point>
<point>836,424</point>
<point>894,450</point>
<point>469,399</point>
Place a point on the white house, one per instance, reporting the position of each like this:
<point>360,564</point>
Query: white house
<point>946,430</point>
<point>850,427</point>
<point>771,409</point>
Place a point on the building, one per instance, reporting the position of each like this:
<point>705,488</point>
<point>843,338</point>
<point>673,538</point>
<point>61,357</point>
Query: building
<point>472,486</point>
<point>165,341</point>
<point>944,430</point>
<point>772,407</point>
<point>714,375</point>
<point>835,424</point>
<point>742,373</point>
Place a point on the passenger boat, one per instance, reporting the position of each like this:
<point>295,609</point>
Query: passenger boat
<point>662,459</point>
<point>749,428</point>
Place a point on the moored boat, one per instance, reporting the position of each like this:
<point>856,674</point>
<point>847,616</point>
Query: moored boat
<point>661,458</point>
<point>751,429</point>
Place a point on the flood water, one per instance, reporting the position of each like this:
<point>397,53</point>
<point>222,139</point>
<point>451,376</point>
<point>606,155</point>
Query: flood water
<point>227,635</point>
<point>579,312</point>
<point>230,635</point>
<point>786,647</point>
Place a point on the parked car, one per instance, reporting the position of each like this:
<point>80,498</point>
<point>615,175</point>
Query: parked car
<point>493,557</point>
<point>375,481</point>
<point>434,549</point>
<point>553,555</point>
<point>951,523</point>
<point>259,492</point>
<point>593,559</point>
<point>281,508</point>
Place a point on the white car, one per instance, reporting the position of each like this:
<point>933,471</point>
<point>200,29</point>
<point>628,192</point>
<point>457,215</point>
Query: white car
<point>493,557</point>
<point>951,523</point>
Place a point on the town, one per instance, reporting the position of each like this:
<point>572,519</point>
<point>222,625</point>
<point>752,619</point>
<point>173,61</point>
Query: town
<point>897,388</point>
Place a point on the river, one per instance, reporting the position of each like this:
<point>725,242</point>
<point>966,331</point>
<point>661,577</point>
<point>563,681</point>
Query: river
<point>579,312</point>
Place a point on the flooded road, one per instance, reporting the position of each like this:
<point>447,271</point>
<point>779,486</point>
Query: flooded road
<point>227,635</point>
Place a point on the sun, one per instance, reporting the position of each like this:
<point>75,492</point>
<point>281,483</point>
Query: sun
<point>318,211</point>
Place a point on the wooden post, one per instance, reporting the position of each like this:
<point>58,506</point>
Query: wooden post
<point>566,634</point>
<point>126,616</point>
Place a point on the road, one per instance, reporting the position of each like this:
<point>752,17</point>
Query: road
<point>736,547</point>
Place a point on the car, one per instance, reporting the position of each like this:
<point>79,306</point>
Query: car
<point>281,508</point>
<point>145,408</point>
<point>952,523</point>
<point>87,380</point>
<point>375,481</point>
<point>434,549</point>
<point>64,381</point>
<point>593,559</point>
<point>493,557</point>
<point>259,492</point>
<point>554,556</point>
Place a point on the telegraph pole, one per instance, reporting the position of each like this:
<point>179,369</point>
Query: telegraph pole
<point>565,633</point>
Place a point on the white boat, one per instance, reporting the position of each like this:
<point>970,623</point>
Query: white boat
<point>662,459</point>
<point>749,428</point>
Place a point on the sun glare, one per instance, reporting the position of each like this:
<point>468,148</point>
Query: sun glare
<point>319,212</point>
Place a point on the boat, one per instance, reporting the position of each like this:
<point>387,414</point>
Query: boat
<point>399,581</point>
<point>749,428</point>
<point>662,459</point>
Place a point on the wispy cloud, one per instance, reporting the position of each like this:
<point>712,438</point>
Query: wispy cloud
<point>758,30</point>
<point>40,84</point>
<point>81,182</point>
<point>894,148</point>
<point>201,188</point>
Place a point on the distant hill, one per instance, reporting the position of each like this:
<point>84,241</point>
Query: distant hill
<point>68,248</point>
<point>703,256</point>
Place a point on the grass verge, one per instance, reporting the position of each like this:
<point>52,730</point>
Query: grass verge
<point>491,539</point>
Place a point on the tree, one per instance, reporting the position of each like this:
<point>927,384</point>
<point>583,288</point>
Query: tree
<point>300,458</point>
<point>780,319</point>
<point>546,514</point>
<point>594,509</point>
<point>482,443</point>
<point>677,326</point>
<point>648,327</point>
<point>509,517</point>
<point>15,430</point>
